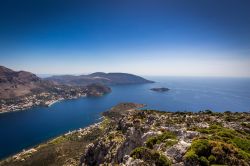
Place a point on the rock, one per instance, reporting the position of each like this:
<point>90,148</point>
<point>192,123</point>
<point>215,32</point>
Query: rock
<point>177,151</point>
<point>160,89</point>
<point>145,136</point>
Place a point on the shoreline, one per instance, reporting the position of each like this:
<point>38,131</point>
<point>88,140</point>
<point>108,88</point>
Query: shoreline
<point>32,149</point>
<point>49,104</point>
<point>124,130</point>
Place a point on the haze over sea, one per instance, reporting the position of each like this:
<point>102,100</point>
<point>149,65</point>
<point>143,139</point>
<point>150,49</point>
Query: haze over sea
<point>24,129</point>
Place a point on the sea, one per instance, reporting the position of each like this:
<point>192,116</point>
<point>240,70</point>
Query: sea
<point>24,129</point>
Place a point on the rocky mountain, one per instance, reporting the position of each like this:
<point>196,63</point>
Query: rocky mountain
<point>130,137</point>
<point>20,90</point>
<point>98,77</point>
<point>19,83</point>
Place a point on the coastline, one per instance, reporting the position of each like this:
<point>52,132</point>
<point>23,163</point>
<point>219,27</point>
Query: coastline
<point>48,103</point>
<point>27,152</point>
<point>128,136</point>
<point>101,123</point>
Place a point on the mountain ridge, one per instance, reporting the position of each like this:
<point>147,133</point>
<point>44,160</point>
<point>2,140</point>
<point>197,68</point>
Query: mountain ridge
<point>99,77</point>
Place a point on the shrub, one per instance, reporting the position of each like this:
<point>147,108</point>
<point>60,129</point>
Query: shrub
<point>170,143</point>
<point>150,156</point>
<point>191,155</point>
<point>242,143</point>
<point>211,159</point>
<point>208,112</point>
<point>159,139</point>
<point>201,147</point>
<point>204,161</point>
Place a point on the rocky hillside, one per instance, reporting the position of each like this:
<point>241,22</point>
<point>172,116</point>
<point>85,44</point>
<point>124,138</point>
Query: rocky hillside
<point>130,137</point>
<point>18,83</point>
<point>100,78</point>
<point>20,90</point>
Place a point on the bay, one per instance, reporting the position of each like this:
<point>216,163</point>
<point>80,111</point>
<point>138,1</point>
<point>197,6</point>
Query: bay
<point>24,129</point>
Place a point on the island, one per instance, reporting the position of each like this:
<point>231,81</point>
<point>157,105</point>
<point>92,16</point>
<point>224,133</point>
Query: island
<point>160,89</point>
<point>100,78</point>
<point>129,136</point>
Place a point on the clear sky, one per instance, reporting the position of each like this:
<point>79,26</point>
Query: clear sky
<point>146,37</point>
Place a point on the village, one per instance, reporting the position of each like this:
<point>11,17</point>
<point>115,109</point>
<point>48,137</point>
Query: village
<point>41,99</point>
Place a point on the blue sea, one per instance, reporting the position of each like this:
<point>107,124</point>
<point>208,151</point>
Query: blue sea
<point>24,129</point>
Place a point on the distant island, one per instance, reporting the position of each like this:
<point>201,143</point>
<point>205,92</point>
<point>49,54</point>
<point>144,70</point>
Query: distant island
<point>160,89</point>
<point>20,90</point>
<point>100,78</point>
<point>130,136</point>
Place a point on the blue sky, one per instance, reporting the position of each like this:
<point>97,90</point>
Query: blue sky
<point>146,37</point>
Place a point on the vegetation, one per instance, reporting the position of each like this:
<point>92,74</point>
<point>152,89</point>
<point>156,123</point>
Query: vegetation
<point>150,156</point>
<point>216,139</point>
<point>220,146</point>
<point>167,137</point>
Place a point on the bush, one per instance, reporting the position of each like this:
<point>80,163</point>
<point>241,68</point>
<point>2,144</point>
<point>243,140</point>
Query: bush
<point>150,156</point>
<point>170,143</point>
<point>160,138</point>
<point>242,143</point>
<point>205,152</point>
<point>191,155</point>
<point>211,159</point>
<point>204,161</point>
<point>201,147</point>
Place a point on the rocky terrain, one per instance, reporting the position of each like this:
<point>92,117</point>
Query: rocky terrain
<point>132,137</point>
<point>20,90</point>
<point>160,89</point>
<point>100,78</point>
<point>19,83</point>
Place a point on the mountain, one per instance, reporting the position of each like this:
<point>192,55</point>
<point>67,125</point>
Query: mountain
<point>20,90</point>
<point>19,83</point>
<point>98,77</point>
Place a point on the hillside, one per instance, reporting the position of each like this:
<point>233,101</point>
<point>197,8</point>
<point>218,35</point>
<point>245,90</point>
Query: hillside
<point>98,77</point>
<point>21,90</point>
<point>18,83</point>
<point>130,137</point>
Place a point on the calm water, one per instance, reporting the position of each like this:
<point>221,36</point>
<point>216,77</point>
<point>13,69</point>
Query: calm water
<point>20,130</point>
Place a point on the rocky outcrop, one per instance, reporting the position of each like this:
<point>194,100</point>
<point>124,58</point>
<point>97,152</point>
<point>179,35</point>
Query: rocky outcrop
<point>130,137</point>
<point>159,138</point>
<point>160,89</point>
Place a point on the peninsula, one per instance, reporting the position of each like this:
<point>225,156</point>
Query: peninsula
<point>127,136</point>
<point>21,90</point>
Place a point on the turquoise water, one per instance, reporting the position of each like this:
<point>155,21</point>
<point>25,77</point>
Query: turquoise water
<point>20,130</point>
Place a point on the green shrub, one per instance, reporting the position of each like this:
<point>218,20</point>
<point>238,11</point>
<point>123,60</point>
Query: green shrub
<point>201,147</point>
<point>227,134</point>
<point>150,156</point>
<point>191,155</point>
<point>203,161</point>
<point>211,159</point>
<point>162,161</point>
<point>160,139</point>
<point>242,143</point>
<point>171,143</point>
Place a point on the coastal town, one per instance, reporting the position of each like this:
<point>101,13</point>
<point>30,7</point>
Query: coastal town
<point>50,97</point>
<point>42,99</point>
